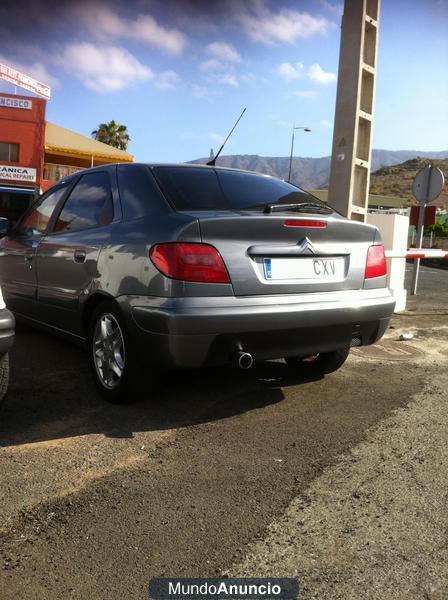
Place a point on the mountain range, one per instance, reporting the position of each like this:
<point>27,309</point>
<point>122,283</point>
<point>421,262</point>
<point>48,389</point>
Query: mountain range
<point>314,173</point>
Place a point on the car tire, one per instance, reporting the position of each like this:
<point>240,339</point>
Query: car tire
<point>4,376</point>
<point>112,358</point>
<point>320,364</point>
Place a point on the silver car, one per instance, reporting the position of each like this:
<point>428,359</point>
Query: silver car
<point>183,266</point>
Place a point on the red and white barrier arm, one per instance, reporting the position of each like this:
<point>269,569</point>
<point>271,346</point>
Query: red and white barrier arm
<point>414,253</point>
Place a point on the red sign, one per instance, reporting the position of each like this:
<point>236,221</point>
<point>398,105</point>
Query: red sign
<point>430,215</point>
<point>24,81</point>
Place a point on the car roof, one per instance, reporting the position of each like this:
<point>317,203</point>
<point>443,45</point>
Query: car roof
<point>188,165</point>
<point>201,166</point>
<point>152,165</point>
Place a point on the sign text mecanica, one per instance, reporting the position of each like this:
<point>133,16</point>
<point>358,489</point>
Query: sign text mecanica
<point>14,173</point>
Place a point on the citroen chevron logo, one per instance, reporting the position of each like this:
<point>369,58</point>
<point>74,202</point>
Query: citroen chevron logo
<point>306,247</point>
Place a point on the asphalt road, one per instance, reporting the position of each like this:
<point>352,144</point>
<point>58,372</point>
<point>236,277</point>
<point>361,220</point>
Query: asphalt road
<point>96,499</point>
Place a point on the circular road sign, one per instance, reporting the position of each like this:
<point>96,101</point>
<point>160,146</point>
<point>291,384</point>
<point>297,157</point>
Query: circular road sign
<point>427,184</point>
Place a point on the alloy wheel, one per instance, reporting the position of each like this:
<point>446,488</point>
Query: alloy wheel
<point>108,351</point>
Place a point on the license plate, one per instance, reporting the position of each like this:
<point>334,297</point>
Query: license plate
<point>308,269</point>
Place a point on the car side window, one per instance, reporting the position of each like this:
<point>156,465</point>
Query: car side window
<point>139,193</point>
<point>89,204</point>
<point>36,221</point>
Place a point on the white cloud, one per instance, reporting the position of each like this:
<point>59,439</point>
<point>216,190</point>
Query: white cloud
<point>223,74</point>
<point>104,68</point>
<point>221,67</point>
<point>199,91</point>
<point>217,72</point>
<point>304,94</point>
<point>285,26</point>
<point>326,124</point>
<point>335,8</point>
<point>168,80</point>
<point>290,72</point>
<point>36,69</point>
<point>253,79</point>
<point>226,79</point>
<point>146,29</point>
<point>205,92</point>
<point>106,25</point>
<point>318,75</point>
<point>211,65</point>
<point>224,52</point>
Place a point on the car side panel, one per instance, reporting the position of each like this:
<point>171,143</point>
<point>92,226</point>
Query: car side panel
<point>124,266</point>
<point>62,280</point>
<point>18,273</point>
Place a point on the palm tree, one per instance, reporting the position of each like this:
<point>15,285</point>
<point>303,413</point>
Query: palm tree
<point>112,133</point>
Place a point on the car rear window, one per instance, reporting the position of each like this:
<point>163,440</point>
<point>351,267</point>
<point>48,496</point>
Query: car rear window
<point>189,188</point>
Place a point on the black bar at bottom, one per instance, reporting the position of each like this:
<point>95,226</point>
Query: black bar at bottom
<point>250,588</point>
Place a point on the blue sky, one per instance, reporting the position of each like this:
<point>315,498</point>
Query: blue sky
<point>179,72</point>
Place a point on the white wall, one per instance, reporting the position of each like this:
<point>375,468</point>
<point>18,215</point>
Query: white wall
<point>394,231</point>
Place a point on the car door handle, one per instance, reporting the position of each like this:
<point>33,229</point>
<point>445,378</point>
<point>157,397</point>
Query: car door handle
<point>79,256</point>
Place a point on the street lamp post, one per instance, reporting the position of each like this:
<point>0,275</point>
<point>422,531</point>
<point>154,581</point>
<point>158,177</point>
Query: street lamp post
<point>292,148</point>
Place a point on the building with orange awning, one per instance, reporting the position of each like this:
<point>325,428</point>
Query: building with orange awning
<point>35,154</point>
<point>67,152</point>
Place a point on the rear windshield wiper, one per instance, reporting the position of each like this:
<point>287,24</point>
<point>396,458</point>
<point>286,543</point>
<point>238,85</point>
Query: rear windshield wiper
<point>299,206</point>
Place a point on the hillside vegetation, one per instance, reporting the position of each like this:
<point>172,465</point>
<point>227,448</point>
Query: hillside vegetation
<point>397,180</point>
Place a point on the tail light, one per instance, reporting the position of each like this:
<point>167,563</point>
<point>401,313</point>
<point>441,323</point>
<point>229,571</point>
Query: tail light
<point>376,262</point>
<point>189,262</point>
<point>304,223</point>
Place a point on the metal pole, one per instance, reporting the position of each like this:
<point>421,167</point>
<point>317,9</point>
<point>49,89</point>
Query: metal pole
<point>421,228</point>
<point>290,156</point>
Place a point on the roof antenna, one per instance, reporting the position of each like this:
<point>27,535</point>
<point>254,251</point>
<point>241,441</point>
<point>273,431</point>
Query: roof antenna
<point>212,162</point>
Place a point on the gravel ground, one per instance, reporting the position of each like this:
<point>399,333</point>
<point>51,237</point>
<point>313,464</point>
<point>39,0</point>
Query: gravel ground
<point>339,481</point>
<point>375,524</point>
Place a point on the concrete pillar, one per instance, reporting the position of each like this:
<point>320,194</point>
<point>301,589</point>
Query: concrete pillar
<point>394,231</point>
<point>352,135</point>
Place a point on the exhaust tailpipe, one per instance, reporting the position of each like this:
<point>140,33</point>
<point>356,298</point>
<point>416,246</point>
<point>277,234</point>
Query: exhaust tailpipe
<point>244,360</point>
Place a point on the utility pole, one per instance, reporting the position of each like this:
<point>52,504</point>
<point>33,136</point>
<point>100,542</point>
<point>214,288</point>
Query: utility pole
<point>352,135</point>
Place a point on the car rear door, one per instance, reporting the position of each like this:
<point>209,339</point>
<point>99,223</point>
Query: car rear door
<point>18,254</point>
<point>67,257</point>
<point>274,238</point>
<point>286,253</point>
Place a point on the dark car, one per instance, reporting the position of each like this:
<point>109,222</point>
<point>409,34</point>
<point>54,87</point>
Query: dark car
<point>182,266</point>
<point>7,326</point>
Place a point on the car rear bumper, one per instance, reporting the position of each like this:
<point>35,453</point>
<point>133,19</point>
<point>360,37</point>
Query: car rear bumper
<point>193,332</point>
<point>7,327</point>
